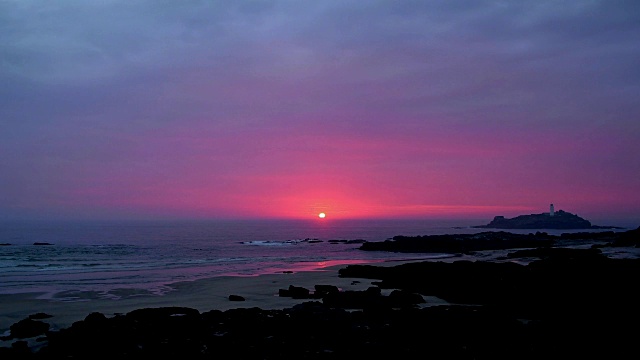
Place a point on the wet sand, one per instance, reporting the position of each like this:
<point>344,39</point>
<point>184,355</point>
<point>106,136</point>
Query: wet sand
<point>204,295</point>
<point>500,307</point>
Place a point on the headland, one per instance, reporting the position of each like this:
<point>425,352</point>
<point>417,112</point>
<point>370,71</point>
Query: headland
<point>549,220</point>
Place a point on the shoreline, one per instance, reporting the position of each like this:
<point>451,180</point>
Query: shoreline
<point>202,294</point>
<point>211,293</point>
<point>487,304</point>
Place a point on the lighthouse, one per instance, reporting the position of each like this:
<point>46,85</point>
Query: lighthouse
<point>551,210</point>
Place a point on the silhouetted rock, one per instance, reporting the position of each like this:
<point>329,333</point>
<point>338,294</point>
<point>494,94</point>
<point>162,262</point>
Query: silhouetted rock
<point>28,328</point>
<point>95,318</point>
<point>321,290</point>
<point>236,298</point>
<point>295,292</point>
<point>163,312</point>
<point>564,253</point>
<point>460,243</point>
<point>403,298</point>
<point>568,279</point>
<point>352,241</point>
<point>369,298</point>
<point>560,220</point>
<point>630,238</point>
<point>497,240</point>
<point>39,316</point>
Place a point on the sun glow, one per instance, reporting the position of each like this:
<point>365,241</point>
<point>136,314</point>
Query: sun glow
<point>322,215</point>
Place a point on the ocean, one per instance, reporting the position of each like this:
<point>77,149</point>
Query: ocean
<point>150,255</point>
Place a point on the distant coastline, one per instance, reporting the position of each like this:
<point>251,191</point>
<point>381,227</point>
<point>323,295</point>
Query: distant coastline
<point>552,220</point>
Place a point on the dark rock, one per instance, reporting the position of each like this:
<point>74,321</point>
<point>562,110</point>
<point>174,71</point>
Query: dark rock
<point>630,238</point>
<point>344,241</point>
<point>560,220</point>
<point>370,298</point>
<point>236,298</point>
<point>284,293</point>
<point>566,281</point>
<point>39,316</point>
<point>603,235</point>
<point>309,307</point>
<point>500,240</point>
<point>28,328</point>
<point>95,318</point>
<point>20,345</point>
<point>19,350</point>
<point>403,298</point>
<point>161,312</point>
<point>564,253</point>
<point>42,243</point>
<point>373,291</point>
<point>336,241</point>
<point>321,290</point>
<point>295,292</point>
<point>460,243</point>
<point>356,241</point>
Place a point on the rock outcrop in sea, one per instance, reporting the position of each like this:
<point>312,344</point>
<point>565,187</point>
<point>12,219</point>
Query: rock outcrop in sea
<point>557,220</point>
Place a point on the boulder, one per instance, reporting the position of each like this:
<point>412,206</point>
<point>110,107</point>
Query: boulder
<point>28,328</point>
<point>321,290</point>
<point>39,316</point>
<point>295,292</point>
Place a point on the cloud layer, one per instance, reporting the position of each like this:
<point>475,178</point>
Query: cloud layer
<point>285,108</point>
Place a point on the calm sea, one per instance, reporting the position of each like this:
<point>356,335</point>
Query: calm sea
<point>103,257</point>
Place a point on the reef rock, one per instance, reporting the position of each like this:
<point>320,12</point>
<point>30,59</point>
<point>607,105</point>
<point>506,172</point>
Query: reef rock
<point>559,220</point>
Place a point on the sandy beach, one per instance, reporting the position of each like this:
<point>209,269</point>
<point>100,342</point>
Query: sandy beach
<point>204,295</point>
<point>496,303</point>
<point>213,293</point>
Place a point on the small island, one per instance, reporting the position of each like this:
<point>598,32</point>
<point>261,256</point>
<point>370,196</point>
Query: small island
<point>549,220</point>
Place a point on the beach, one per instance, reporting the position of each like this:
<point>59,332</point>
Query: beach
<point>204,295</point>
<point>117,267</point>
<point>259,291</point>
<point>572,299</point>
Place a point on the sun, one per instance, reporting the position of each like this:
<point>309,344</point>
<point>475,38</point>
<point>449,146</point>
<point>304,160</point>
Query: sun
<point>322,215</point>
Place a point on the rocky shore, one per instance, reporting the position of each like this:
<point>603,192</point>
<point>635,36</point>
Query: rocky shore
<point>558,220</point>
<point>546,301</point>
<point>496,240</point>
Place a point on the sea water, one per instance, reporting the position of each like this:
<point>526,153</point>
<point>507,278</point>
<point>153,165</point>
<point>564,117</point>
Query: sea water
<point>108,256</point>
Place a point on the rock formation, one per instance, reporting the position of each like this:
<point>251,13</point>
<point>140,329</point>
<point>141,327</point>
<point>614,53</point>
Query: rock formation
<point>559,220</point>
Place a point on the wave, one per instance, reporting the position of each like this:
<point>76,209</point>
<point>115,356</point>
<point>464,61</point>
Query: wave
<point>281,243</point>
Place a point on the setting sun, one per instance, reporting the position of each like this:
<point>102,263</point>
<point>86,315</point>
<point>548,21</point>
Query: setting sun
<point>322,215</point>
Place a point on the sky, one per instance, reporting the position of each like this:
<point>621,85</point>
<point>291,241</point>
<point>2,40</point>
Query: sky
<point>151,109</point>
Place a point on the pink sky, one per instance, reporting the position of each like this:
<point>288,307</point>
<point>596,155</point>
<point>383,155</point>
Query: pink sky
<point>399,110</point>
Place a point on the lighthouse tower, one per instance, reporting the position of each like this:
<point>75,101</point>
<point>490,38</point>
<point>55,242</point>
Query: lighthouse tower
<point>551,210</point>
